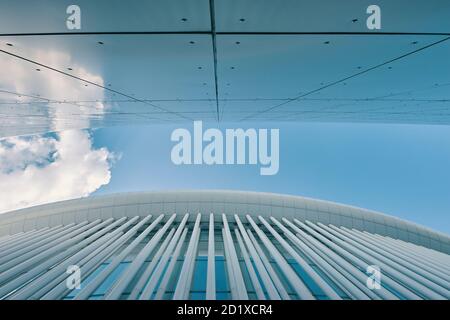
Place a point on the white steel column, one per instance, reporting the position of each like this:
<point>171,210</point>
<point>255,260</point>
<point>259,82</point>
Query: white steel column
<point>241,290</point>
<point>168,274</point>
<point>397,273</point>
<point>20,264</point>
<point>14,244</point>
<point>211,273</point>
<point>72,256</point>
<point>147,275</point>
<point>350,254</point>
<point>32,246</point>
<point>429,269</point>
<point>11,237</point>
<point>347,286</point>
<point>273,275</point>
<point>297,284</point>
<point>93,285</point>
<point>53,273</point>
<point>88,265</point>
<point>147,291</point>
<point>438,267</point>
<point>230,271</point>
<point>408,269</point>
<point>88,262</point>
<point>187,270</point>
<point>325,287</point>
<point>352,271</point>
<point>251,271</point>
<point>265,278</point>
<point>54,255</point>
<point>116,290</point>
<point>433,255</point>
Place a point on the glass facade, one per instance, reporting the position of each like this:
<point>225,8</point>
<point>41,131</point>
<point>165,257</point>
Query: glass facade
<point>198,286</point>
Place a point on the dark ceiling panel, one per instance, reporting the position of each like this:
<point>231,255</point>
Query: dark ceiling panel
<point>330,15</point>
<point>162,65</point>
<point>19,16</point>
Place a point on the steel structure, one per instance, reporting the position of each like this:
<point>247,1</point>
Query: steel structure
<point>217,245</point>
<point>175,61</point>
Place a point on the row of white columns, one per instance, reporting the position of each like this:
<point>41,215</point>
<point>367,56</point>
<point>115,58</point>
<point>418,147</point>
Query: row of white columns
<point>33,264</point>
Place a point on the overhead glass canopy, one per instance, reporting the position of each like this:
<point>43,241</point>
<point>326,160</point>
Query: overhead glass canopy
<point>163,61</point>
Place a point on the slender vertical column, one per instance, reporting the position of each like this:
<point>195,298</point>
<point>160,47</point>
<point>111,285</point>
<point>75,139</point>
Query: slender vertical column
<point>251,271</point>
<point>350,271</point>
<point>266,279</point>
<point>230,270</point>
<point>411,253</point>
<point>239,279</point>
<point>421,265</point>
<point>24,237</point>
<point>90,263</point>
<point>270,270</point>
<point>407,270</point>
<point>211,273</point>
<point>74,255</point>
<point>31,242</point>
<point>56,282</point>
<point>75,252</point>
<point>350,254</point>
<point>433,255</point>
<point>11,237</point>
<point>147,291</point>
<point>322,264</point>
<point>20,238</point>
<point>168,274</point>
<point>29,269</point>
<point>93,285</point>
<point>148,273</point>
<point>34,257</point>
<point>116,290</point>
<point>297,284</point>
<point>184,282</point>
<point>359,263</point>
<point>404,276</point>
<point>325,287</point>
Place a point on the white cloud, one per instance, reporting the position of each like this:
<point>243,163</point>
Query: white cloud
<point>64,112</point>
<point>38,169</point>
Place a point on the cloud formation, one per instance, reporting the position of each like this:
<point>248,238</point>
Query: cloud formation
<point>41,169</point>
<point>45,100</point>
<point>46,168</point>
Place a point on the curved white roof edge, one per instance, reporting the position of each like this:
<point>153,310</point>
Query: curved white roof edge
<point>220,201</point>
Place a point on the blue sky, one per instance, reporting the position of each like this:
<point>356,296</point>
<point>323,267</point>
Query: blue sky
<point>402,170</point>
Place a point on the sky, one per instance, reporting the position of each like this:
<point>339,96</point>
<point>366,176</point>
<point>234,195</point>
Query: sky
<point>401,170</point>
<point>45,168</point>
